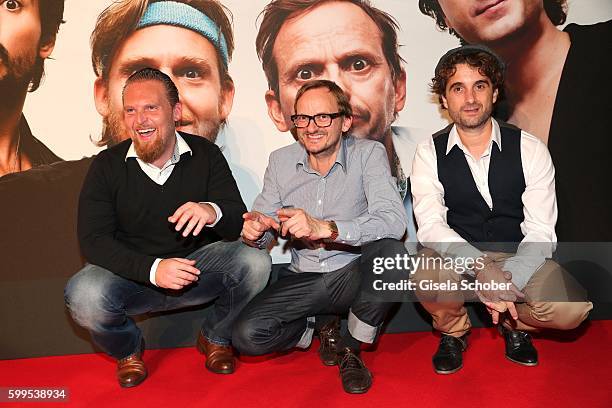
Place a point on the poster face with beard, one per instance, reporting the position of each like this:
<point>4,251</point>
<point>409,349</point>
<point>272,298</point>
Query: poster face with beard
<point>74,108</point>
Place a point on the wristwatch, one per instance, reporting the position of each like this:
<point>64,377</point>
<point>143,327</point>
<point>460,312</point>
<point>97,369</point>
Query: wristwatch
<point>334,231</point>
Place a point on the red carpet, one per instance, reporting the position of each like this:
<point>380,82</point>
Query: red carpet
<point>576,373</point>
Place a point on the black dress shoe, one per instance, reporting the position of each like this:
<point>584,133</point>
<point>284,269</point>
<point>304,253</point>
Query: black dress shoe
<point>356,378</point>
<point>519,348</point>
<point>329,335</point>
<point>448,358</point>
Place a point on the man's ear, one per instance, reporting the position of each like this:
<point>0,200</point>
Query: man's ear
<point>444,102</point>
<point>275,112</point>
<point>101,96</point>
<point>347,122</point>
<point>400,90</point>
<point>495,95</point>
<point>227,99</point>
<point>46,47</point>
<point>177,112</point>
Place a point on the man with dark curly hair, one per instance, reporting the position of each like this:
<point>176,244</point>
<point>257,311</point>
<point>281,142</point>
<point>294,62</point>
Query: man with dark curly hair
<point>27,38</point>
<point>484,193</point>
<point>554,91</point>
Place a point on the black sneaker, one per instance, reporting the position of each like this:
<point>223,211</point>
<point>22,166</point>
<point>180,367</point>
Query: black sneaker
<point>448,358</point>
<point>329,335</point>
<point>519,348</point>
<point>356,378</point>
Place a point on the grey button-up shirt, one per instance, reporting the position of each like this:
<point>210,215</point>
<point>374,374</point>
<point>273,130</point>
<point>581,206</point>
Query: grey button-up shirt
<point>358,193</point>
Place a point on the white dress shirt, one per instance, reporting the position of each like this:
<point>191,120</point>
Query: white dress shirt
<point>161,175</point>
<point>539,202</point>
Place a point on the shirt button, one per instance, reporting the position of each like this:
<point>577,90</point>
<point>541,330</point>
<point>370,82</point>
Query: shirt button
<point>319,202</point>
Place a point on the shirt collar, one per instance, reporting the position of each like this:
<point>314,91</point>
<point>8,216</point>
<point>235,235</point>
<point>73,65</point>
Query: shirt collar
<point>340,157</point>
<point>455,140</point>
<point>180,147</point>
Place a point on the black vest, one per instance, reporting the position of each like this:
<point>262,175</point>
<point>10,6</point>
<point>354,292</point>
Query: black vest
<point>496,229</point>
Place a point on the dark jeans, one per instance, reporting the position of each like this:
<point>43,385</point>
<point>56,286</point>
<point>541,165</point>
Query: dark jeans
<point>101,301</point>
<point>278,318</point>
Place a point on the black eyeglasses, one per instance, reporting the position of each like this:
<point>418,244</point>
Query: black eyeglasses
<point>320,119</point>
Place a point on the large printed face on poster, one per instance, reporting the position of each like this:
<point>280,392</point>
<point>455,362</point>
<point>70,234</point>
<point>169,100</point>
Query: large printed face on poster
<point>386,78</point>
<point>376,93</point>
<point>340,42</point>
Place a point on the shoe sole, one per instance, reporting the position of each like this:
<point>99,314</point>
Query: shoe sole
<point>444,372</point>
<point>219,371</point>
<point>328,363</point>
<point>359,391</point>
<point>522,362</point>
<point>131,385</point>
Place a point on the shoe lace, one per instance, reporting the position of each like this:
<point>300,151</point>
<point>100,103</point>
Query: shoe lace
<point>350,361</point>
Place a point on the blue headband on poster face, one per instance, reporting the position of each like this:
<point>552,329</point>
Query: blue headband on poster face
<point>183,15</point>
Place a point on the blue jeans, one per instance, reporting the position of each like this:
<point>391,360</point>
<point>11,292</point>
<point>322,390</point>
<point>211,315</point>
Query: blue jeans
<point>232,273</point>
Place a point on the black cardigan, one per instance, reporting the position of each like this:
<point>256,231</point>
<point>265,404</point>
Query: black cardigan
<point>123,215</point>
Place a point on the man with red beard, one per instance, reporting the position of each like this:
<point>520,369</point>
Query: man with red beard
<point>129,35</point>
<point>153,212</point>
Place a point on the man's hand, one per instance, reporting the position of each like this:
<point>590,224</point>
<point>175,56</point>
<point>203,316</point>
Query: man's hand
<point>194,215</point>
<point>176,273</point>
<point>256,224</point>
<point>495,308</point>
<point>492,272</point>
<point>298,223</point>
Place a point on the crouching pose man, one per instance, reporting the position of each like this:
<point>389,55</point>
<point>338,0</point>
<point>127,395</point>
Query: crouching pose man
<point>484,191</point>
<point>332,194</point>
<point>152,215</point>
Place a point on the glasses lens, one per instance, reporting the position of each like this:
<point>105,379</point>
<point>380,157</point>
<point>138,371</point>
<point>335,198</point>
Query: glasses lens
<point>300,121</point>
<point>323,120</point>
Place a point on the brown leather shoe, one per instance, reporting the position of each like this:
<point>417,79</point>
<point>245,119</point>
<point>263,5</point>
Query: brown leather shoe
<point>131,370</point>
<point>219,359</point>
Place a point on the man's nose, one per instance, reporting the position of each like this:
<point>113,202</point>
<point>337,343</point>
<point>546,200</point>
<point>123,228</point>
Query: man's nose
<point>312,126</point>
<point>141,117</point>
<point>469,95</point>
<point>341,78</point>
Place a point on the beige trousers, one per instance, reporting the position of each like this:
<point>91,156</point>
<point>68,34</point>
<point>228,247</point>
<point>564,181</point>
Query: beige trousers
<point>550,281</point>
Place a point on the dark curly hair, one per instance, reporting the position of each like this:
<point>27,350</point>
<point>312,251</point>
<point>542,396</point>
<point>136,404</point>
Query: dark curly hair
<point>555,9</point>
<point>51,13</point>
<point>486,64</point>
